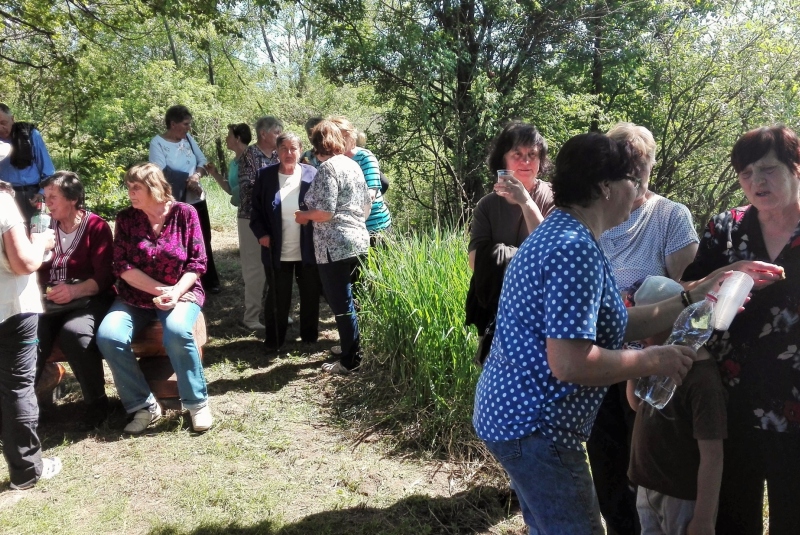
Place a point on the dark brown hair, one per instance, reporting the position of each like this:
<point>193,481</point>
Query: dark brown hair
<point>756,143</point>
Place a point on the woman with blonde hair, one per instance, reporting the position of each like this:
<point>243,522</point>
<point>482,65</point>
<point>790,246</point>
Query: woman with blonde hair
<point>159,257</point>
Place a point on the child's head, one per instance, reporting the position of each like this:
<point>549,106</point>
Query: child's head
<point>654,289</point>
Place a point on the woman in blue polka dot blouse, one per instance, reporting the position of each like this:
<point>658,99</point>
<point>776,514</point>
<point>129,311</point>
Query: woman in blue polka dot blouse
<point>560,326</point>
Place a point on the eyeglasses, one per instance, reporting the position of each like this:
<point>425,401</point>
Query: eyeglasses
<point>637,182</point>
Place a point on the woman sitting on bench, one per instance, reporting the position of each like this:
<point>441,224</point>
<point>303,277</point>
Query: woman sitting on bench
<point>78,286</point>
<point>159,257</point>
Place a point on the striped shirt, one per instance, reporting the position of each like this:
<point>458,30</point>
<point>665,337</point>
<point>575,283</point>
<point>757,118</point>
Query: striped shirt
<point>379,218</point>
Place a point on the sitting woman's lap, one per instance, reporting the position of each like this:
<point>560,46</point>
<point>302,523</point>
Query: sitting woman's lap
<point>114,338</point>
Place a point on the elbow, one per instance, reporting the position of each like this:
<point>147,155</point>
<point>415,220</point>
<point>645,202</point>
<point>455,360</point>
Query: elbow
<point>563,371</point>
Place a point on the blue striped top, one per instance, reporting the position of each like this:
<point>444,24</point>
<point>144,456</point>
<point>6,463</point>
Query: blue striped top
<point>379,218</point>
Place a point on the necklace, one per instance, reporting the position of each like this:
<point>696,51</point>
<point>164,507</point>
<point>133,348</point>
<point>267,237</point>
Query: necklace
<point>580,219</point>
<point>75,223</point>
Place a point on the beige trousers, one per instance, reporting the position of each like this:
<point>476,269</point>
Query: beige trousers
<point>252,271</point>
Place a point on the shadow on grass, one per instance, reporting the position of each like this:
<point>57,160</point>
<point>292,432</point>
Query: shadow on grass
<point>469,512</point>
<point>270,380</point>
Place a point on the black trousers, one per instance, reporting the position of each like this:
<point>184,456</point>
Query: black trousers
<point>753,457</point>
<point>21,446</point>
<point>210,279</point>
<point>609,454</point>
<point>76,331</point>
<point>279,301</point>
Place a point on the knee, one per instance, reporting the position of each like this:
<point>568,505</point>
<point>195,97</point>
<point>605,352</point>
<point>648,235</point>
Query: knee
<point>113,334</point>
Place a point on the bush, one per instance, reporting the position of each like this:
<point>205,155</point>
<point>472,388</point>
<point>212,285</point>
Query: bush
<point>412,322</point>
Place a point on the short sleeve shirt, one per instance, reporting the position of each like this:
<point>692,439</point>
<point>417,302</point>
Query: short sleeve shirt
<point>340,189</point>
<point>639,247</point>
<point>18,293</point>
<point>558,285</point>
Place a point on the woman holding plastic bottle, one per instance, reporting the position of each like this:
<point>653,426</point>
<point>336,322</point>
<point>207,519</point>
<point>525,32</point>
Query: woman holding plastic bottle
<point>759,355</point>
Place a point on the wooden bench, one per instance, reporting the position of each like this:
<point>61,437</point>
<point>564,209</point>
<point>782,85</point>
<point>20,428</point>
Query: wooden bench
<point>153,360</point>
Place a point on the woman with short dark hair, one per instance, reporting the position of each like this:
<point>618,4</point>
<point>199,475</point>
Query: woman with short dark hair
<point>506,216</point>
<point>560,326</point>
<point>159,257</point>
<point>179,157</point>
<point>338,204</point>
<point>79,287</point>
<point>759,355</point>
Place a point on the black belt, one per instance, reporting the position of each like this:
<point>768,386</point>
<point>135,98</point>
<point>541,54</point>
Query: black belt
<point>26,188</point>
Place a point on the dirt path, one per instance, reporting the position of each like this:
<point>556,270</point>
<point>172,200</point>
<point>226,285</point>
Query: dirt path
<point>274,463</point>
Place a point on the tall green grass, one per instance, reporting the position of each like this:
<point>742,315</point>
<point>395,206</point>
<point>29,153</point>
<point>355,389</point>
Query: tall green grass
<point>412,321</point>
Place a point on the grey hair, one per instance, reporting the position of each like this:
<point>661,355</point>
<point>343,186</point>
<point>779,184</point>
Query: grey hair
<point>267,123</point>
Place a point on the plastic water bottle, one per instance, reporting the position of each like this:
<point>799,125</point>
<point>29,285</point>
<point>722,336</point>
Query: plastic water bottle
<point>41,222</point>
<point>692,329</point>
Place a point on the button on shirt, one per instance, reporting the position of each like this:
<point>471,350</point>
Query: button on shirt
<point>559,285</point>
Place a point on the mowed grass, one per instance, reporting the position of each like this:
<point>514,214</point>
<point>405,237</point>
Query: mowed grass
<point>285,456</point>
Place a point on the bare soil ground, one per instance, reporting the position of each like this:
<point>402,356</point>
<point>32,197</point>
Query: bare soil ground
<point>278,460</point>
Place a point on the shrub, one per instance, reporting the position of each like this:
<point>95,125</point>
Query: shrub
<point>412,322</point>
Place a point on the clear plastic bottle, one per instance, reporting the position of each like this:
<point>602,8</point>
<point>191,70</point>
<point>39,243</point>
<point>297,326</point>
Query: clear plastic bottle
<point>692,328</point>
<point>41,222</point>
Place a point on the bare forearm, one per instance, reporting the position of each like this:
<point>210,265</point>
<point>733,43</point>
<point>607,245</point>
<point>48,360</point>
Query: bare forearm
<point>533,216</point>
<point>142,281</point>
<point>87,288</point>
<point>318,215</point>
<point>600,367</point>
<point>709,478</point>
<point>186,282</point>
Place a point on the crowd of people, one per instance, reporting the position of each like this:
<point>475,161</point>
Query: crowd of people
<point>578,272</point>
<point>579,309</point>
<point>77,285</point>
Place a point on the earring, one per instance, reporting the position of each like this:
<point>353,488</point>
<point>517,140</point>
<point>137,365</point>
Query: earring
<point>608,196</point>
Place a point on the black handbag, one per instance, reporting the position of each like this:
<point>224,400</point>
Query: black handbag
<point>51,308</point>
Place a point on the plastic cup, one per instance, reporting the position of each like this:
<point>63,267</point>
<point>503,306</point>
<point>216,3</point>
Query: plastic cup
<point>731,297</point>
<point>503,174</point>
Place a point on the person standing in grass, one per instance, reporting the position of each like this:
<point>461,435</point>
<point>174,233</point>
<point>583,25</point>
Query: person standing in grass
<point>287,247</point>
<point>20,306</point>
<point>238,139</point>
<point>338,203</point>
<point>676,452</point>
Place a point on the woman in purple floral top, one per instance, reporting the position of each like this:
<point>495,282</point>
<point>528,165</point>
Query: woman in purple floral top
<point>758,356</point>
<point>159,257</point>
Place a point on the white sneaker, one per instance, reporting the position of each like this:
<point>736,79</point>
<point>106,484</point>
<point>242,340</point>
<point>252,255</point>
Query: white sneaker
<point>50,467</point>
<point>336,368</point>
<point>142,419</point>
<point>201,419</point>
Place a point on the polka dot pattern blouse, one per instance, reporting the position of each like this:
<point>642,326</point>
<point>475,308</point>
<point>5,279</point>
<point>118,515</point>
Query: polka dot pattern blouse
<point>559,285</point>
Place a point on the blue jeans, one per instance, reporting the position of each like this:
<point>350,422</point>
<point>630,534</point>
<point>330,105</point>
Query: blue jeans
<point>338,288</point>
<point>552,482</point>
<point>114,337</point>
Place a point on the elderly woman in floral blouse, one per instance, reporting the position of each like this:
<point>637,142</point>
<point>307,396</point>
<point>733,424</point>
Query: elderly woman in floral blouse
<point>338,202</point>
<point>159,257</point>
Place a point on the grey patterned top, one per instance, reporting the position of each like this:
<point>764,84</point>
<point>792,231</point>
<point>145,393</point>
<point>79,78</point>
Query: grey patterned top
<point>340,189</point>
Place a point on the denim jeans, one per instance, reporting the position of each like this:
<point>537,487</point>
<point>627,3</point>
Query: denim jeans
<point>20,410</point>
<point>114,337</point>
<point>552,482</point>
<point>338,288</point>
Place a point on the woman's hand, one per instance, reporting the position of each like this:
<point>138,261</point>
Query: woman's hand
<point>193,184</point>
<point>762,273</point>
<point>670,361</point>
<point>513,191</point>
<point>264,240</point>
<point>300,217</point>
<point>46,239</point>
<point>61,293</point>
<point>169,297</point>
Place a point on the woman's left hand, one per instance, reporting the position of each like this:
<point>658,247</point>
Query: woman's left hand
<point>60,293</point>
<point>513,191</point>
